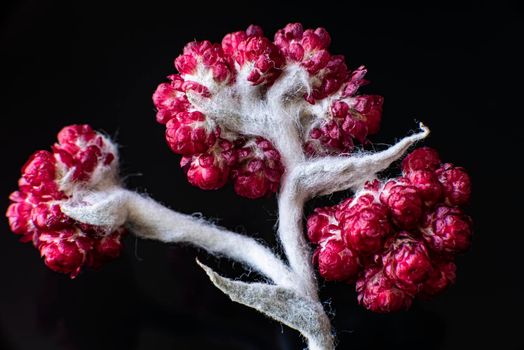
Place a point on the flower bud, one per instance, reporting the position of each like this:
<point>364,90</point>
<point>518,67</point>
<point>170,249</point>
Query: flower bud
<point>427,185</point>
<point>206,59</point>
<point>379,294</point>
<point>190,133</point>
<point>423,158</point>
<point>61,252</point>
<point>261,57</point>
<point>336,262</point>
<point>365,224</point>
<point>258,171</point>
<point>210,171</point>
<point>403,201</point>
<point>406,262</point>
<point>447,230</point>
<point>456,184</point>
<point>322,225</point>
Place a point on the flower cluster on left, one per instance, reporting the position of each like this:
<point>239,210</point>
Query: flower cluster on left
<point>81,160</point>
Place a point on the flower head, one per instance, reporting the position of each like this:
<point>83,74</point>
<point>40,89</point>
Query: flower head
<point>238,91</point>
<point>400,235</point>
<point>82,159</point>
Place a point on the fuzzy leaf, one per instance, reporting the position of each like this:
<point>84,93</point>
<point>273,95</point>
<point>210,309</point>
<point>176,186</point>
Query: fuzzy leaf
<point>281,304</point>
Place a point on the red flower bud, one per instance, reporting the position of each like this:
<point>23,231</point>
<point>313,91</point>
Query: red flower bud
<point>403,201</point>
<point>107,248</point>
<point>322,225</point>
<point>423,158</point>
<point>309,48</point>
<point>365,224</point>
<point>336,262</point>
<point>231,41</point>
<point>83,150</point>
<point>262,57</point>
<point>19,214</point>
<point>47,216</point>
<point>61,252</point>
<point>74,137</point>
<point>170,99</point>
<point>368,108</point>
<point>355,81</point>
<point>210,171</point>
<point>427,185</point>
<point>190,133</point>
<point>447,230</point>
<point>258,171</point>
<point>406,262</point>
<point>455,183</point>
<point>328,137</point>
<point>39,175</point>
<point>207,57</point>
<point>378,293</point>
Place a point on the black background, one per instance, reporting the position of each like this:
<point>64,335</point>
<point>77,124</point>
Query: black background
<point>457,68</point>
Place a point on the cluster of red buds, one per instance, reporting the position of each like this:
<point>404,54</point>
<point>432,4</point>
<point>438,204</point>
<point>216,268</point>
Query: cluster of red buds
<point>82,159</point>
<point>397,239</point>
<point>246,62</point>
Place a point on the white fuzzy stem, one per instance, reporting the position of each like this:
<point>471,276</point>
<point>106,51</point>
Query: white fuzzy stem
<point>292,299</point>
<point>151,220</point>
<point>291,235</point>
<point>114,206</point>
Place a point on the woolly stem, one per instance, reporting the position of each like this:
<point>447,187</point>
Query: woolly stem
<point>291,199</point>
<point>285,136</point>
<point>151,220</point>
<point>291,235</point>
<point>115,206</point>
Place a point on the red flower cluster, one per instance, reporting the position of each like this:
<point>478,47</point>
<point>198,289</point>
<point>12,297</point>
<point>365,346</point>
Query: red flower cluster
<point>397,239</point>
<point>80,159</point>
<point>309,49</point>
<point>256,56</point>
<point>212,154</point>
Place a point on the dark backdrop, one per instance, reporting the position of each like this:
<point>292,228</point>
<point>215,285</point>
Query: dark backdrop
<point>457,68</point>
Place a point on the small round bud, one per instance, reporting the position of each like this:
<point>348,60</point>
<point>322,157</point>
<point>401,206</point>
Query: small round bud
<point>403,201</point>
<point>258,171</point>
<point>447,230</point>
<point>261,57</point>
<point>204,58</point>
<point>379,294</point>
<point>365,224</point>
<point>322,225</point>
<point>309,49</point>
<point>61,252</point>
<point>190,133</point>
<point>336,262</point>
<point>427,185</point>
<point>210,170</point>
<point>406,262</point>
<point>456,184</point>
<point>423,158</point>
